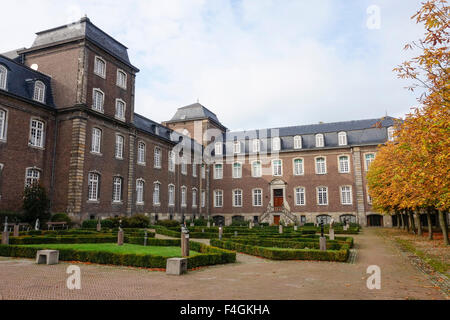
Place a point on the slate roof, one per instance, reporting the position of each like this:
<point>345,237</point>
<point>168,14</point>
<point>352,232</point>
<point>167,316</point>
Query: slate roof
<point>82,29</point>
<point>21,80</point>
<point>13,55</point>
<point>195,111</point>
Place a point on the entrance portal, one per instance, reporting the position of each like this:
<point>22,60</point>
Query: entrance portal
<point>276,220</point>
<point>278,200</point>
<point>375,220</point>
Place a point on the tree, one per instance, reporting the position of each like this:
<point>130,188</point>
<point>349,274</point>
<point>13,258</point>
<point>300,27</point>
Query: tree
<point>36,203</point>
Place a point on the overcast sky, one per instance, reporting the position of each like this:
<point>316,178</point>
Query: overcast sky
<point>255,63</point>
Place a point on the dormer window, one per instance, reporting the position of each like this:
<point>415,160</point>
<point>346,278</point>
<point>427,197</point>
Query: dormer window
<point>390,132</point>
<point>342,137</point>
<point>276,144</point>
<point>319,140</point>
<point>237,147</point>
<point>100,67</point>
<point>39,92</point>
<point>121,79</point>
<point>218,148</point>
<point>256,145</point>
<point>297,142</point>
<point>3,77</point>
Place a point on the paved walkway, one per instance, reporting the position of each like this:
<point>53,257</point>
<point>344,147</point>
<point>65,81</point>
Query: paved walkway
<point>249,278</point>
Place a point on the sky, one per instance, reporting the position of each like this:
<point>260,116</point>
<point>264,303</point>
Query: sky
<point>255,63</point>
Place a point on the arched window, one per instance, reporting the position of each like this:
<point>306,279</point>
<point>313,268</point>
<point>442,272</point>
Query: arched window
<point>157,157</point>
<point>140,191</point>
<point>141,153</point>
<point>98,99</point>
<point>320,140</point>
<point>3,77</point>
<point>36,133</point>
<point>120,109</point>
<point>171,195</point>
<point>93,186</point>
<point>117,189</point>
<point>121,79</point>
<point>32,176</point>
<point>298,167</point>
<point>344,164</point>
<point>156,193</point>
<point>321,165</point>
<point>119,146</point>
<point>2,124</point>
<point>342,137</point>
<point>171,161</point>
<point>100,67</point>
<point>96,140</point>
<point>237,198</point>
<point>39,91</point>
<point>297,142</point>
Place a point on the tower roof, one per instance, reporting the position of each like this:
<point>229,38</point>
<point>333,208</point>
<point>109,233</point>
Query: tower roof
<point>195,111</point>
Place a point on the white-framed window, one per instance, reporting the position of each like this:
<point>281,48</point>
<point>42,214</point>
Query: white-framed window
<point>194,170</point>
<point>368,159</point>
<point>300,196</point>
<point>321,165</point>
<point>257,197</point>
<point>171,161</point>
<point>100,67</point>
<point>256,145</point>
<point>3,124</point>
<point>184,165</point>
<point>342,138</point>
<point>369,198</point>
<point>297,142</point>
<point>346,195</point>
<point>156,193</point>
<point>39,92</point>
<point>256,169</point>
<point>183,196</point>
<point>93,186</point>
<point>320,141</point>
<point>32,176</point>
<point>203,171</point>
<point>236,147</point>
<point>3,77</point>
<point>120,109</point>
<point>276,144</point>
<point>96,140</point>
<point>203,198</point>
<point>98,100</point>
<point>171,195</point>
<point>119,146</point>
<point>121,79</point>
<point>36,133</point>
<point>344,164</point>
<point>237,170</point>
<point>390,132</point>
<point>141,153</point>
<point>298,167</point>
<point>237,198</point>
<point>322,196</point>
<point>277,167</point>
<point>117,189</point>
<point>218,198</point>
<point>140,191</point>
<point>218,148</point>
<point>157,157</point>
<point>218,171</point>
<point>194,197</point>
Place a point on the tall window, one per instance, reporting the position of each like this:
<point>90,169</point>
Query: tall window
<point>344,164</point>
<point>3,77</point>
<point>203,198</point>
<point>322,195</point>
<point>96,140</point>
<point>32,176</point>
<point>346,194</point>
<point>320,140</point>
<point>218,171</point>
<point>297,142</point>
<point>390,132</point>
<point>141,153</point>
<point>218,148</point>
<point>139,191</point>
<point>194,197</point>
<point>342,137</point>
<point>157,157</point>
<point>120,109</point>
<point>256,169</point>
<point>119,146</point>
<point>237,147</point>
<point>184,166</point>
<point>298,167</point>
<point>237,198</point>
<point>257,197</point>
<point>39,92</point>
<point>218,198</point>
<point>277,168</point>
<point>171,161</point>
<point>237,170</point>
<point>299,196</point>
<point>321,165</point>
<point>93,186</point>
<point>156,193</point>
<point>276,144</point>
<point>369,157</point>
<point>194,170</point>
<point>2,124</point>
<point>121,79</point>
<point>98,99</point>
<point>37,133</point>
<point>256,145</point>
<point>100,67</point>
<point>171,195</point>
<point>117,189</point>
<point>183,196</point>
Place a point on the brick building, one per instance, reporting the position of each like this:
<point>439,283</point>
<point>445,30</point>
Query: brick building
<point>67,119</point>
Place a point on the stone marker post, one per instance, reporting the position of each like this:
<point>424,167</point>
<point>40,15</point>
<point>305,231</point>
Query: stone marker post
<point>5,233</point>
<point>208,224</point>
<point>16,230</point>
<point>280,228</point>
<point>295,228</point>
<point>322,240</point>
<point>145,237</point>
<point>220,233</point>
<point>184,242</point>
<point>331,233</point>
<point>120,234</point>
<point>214,224</point>
<point>250,226</point>
<point>235,233</point>
<point>99,225</point>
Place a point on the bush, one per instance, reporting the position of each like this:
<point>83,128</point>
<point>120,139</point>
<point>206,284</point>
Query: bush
<point>89,224</point>
<point>36,204</point>
<point>168,223</point>
<point>61,217</point>
<point>138,221</point>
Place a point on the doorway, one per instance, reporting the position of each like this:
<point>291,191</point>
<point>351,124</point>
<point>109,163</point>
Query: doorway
<point>278,199</point>
<point>276,220</point>
<point>375,220</point>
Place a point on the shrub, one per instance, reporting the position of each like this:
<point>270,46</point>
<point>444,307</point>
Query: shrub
<point>138,221</point>
<point>89,224</point>
<point>36,204</point>
<point>106,223</point>
<point>61,217</point>
<point>168,223</point>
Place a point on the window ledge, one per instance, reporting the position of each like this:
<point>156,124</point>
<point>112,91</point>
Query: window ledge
<point>99,111</point>
<point>100,75</point>
<point>98,154</point>
<point>35,147</point>
<point>93,201</point>
<point>117,203</point>
<point>139,203</point>
<point>141,164</point>
<point>157,204</point>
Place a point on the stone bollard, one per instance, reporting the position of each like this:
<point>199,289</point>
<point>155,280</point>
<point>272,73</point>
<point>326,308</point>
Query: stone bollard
<point>250,225</point>
<point>295,228</point>
<point>208,224</point>
<point>16,230</point>
<point>99,227</point>
<point>323,243</point>
<point>176,266</point>
<point>331,233</point>
<point>280,228</point>
<point>120,238</point>
<point>5,237</point>
<point>184,244</point>
<point>235,233</point>
<point>220,233</point>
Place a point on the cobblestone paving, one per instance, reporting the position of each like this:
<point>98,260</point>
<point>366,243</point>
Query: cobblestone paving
<point>249,278</point>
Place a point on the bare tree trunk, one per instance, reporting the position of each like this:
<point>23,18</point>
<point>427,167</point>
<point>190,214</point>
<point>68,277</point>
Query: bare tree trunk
<point>411,218</point>
<point>419,226</point>
<point>405,215</point>
<point>399,222</point>
<point>430,227</point>
<point>443,224</point>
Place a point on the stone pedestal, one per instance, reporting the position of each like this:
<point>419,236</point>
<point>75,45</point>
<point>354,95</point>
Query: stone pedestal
<point>208,224</point>
<point>235,233</point>
<point>120,238</point>
<point>220,233</point>
<point>176,266</point>
<point>16,230</point>
<point>47,257</point>
<point>185,244</point>
<point>214,224</point>
<point>5,237</point>
<point>250,225</point>
<point>99,227</point>
<point>280,228</point>
<point>346,227</point>
<point>295,228</point>
<point>331,233</point>
<point>323,243</point>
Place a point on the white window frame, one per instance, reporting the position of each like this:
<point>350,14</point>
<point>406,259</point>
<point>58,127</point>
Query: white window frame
<point>218,176</point>
<point>117,189</point>
<point>348,195</point>
<point>140,185</point>
<point>297,142</point>
<point>3,124</point>
<point>203,199</point>
<point>157,158</point>
<point>256,145</point>
<point>93,179</point>
<point>239,171</point>
<point>280,172</point>
<point>218,148</point>
<point>183,166</point>
<point>340,163</point>
<point>32,175</point>
<point>236,147</point>
<point>276,144</point>
<point>37,133</point>
<point>194,170</point>
<point>238,198</point>
<point>96,69</point>
<point>117,115</point>
<point>124,85</point>
<point>3,77</point>
<point>218,195</point>
<point>324,164</point>
<point>367,165</point>
<point>39,91</point>
<point>318,192</point>
<point>302,167</point>
<point>120,145</point>
<point>298,191</point>
<point>320,140</point>
<point>141,153</point>
<point>194,197</point>
<point>390,133</point>
<point>171,160</point>
<point>183,197</point>
<point>171,195</point>
<point>156,193</point>
<point>253,169</point>
<point>99,108</point>
<point>96,141</point>
<point>342,138</point>
<point>257,199</point>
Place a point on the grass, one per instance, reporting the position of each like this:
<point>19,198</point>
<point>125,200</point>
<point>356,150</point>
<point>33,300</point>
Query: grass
<point>114,248</point>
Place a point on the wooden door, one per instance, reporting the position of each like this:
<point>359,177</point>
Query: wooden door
<point>276,220</point>
<point>278,199</point>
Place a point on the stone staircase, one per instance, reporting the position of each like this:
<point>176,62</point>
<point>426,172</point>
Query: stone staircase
<point>284,212</point>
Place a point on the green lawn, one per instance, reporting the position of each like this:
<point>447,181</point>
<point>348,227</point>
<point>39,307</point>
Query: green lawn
<point>112,247</point>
